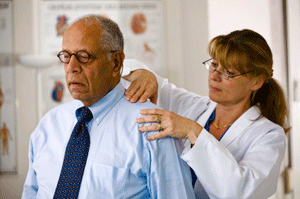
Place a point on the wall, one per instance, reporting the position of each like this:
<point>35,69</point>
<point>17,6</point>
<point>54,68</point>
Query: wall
<point>293,8</point>
<point>11,186</point>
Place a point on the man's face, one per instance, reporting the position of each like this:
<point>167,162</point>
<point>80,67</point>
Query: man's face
<point>91,81</point>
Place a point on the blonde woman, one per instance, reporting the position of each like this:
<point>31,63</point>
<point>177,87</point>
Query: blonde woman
<point>234,139</point>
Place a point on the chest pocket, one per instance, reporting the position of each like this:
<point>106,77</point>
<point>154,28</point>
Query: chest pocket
<point>107,181</point>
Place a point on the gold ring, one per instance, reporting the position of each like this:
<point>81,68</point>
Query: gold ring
<point>159,127</point>
<point>158,119</point>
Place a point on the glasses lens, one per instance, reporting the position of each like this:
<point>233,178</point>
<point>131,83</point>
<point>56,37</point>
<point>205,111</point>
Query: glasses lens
<point>82,56</point>
<point>64,56</point>
<point>224,75</point>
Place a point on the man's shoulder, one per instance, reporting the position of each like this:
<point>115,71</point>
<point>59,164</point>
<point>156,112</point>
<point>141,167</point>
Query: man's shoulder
<point>138,105</point>
<point>63,109</point>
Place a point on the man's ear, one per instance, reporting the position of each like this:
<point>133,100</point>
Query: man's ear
<point>117,59</point>
<point>258,82</point>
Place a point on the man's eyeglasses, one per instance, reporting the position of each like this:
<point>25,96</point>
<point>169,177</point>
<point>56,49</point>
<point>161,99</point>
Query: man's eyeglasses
<point>210,67</point>
<point>82,56</point>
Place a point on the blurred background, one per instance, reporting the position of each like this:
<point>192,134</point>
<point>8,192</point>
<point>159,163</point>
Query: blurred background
<point>170,36</point>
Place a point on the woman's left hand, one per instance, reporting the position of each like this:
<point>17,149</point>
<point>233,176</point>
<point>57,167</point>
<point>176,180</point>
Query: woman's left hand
<point>171,124</point>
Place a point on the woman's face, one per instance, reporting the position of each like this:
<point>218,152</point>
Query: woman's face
<point>234,91</point>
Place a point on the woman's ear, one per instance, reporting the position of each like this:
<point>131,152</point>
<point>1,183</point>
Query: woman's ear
<point>117,59</point>
<point>258,82</point>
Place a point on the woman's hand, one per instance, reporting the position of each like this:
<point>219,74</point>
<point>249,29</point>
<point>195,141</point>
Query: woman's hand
<point>143,86</point>
<point>171,124</point>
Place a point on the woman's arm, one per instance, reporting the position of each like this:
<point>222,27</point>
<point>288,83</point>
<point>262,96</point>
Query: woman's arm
<point>224,175</point>
<point>170,97</point>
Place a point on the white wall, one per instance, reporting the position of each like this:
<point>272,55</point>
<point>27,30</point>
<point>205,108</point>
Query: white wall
<point>11,186</point>
<point>293,7</point>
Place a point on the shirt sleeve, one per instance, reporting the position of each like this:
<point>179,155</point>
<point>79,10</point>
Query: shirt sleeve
<point>255,176</point>
<point>31,185</point>
<point>168,176</point>
<point>170,97</point>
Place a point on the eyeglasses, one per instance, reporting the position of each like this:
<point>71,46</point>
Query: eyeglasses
<point>82,56</point>
<point>209,66</point>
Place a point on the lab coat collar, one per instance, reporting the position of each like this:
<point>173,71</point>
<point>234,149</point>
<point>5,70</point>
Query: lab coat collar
<point>237,127</point>
<point>240,125</point>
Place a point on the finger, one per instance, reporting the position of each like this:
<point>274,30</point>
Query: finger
<point>153,111</point>
<point>137,95</point>
<point>150,118</point>
<point>156,136</point>
<point>153,127</point>
<point>154,98</point>
<point>147,94</point>
<point>132,89</point>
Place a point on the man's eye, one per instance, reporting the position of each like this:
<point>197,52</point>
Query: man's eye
<point>82,57</point>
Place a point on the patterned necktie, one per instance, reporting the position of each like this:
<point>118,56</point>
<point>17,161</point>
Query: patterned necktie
<point>75,157</point>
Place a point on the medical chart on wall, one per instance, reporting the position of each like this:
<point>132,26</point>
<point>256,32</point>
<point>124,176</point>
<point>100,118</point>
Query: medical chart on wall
<point>8,163</point>
<point>139,21</point>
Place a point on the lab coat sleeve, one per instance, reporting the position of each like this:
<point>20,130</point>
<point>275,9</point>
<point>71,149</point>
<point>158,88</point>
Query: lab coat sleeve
<point>31,185</point>
<point>168,176</point>
<point>255,176</point>
<point>170,97</point>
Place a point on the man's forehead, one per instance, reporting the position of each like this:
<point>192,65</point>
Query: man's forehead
<point>82,37</point>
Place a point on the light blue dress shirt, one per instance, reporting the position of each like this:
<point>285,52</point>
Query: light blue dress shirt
<point>121,163</point>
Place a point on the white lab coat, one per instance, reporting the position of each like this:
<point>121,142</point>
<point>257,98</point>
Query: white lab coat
<point>247,160</point>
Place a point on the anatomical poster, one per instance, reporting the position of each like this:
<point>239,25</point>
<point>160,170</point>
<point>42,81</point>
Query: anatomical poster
<point>8,161</point>
<point>139,21</point>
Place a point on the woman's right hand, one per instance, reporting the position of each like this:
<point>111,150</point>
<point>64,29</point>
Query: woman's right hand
<point>143,86</point>
<point>170,124</point>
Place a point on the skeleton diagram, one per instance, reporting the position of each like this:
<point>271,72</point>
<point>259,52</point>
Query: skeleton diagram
<point>4,138</point>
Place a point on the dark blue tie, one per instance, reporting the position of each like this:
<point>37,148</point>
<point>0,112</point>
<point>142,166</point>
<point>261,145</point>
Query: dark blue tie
<point>75,157</point>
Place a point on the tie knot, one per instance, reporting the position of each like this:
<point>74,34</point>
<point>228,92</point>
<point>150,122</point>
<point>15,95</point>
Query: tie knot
<point>84,115</point>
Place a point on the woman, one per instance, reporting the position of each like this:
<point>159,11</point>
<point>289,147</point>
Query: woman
<point>236,136</point>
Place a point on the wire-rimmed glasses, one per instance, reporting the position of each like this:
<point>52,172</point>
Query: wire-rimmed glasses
<point>82,56</point>
<point>211,68</point>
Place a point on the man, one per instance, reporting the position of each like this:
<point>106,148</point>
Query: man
<point>105,156</point>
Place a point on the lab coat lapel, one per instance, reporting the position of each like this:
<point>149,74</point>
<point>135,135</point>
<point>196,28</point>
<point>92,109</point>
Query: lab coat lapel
<point>238,127</point>
<point>205,115</point>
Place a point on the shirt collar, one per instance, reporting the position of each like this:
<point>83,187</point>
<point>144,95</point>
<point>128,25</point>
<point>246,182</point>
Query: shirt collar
<point>104,105</point>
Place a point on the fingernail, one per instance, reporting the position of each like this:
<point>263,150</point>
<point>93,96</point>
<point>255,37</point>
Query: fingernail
<point>137,120</point>
<point>149,138</point>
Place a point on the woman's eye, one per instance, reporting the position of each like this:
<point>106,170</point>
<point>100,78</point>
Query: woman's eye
<point>230,72</point>
<point>214,64</point>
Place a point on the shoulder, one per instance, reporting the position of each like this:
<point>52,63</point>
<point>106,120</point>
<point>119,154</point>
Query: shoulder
<point>69,107</point>
<point>134,108</point>
<point>264,131</point>
<point>59,115</point>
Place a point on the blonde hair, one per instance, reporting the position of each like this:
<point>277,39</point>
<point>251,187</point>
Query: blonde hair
<point>245,51</point>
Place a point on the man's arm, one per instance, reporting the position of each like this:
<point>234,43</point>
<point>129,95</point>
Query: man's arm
<point>31,185</point>
<point>169,176</point>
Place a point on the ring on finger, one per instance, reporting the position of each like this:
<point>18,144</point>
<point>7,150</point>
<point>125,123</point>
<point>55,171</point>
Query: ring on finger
<point>159,127</point>
<point>158,119</point>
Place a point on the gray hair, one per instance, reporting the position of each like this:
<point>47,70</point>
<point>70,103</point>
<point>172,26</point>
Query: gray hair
<point>111,35</point>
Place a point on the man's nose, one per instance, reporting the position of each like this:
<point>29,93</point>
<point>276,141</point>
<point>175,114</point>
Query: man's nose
<point>74,65</point>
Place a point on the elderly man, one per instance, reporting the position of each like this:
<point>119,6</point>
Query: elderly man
<point>91,147</point>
